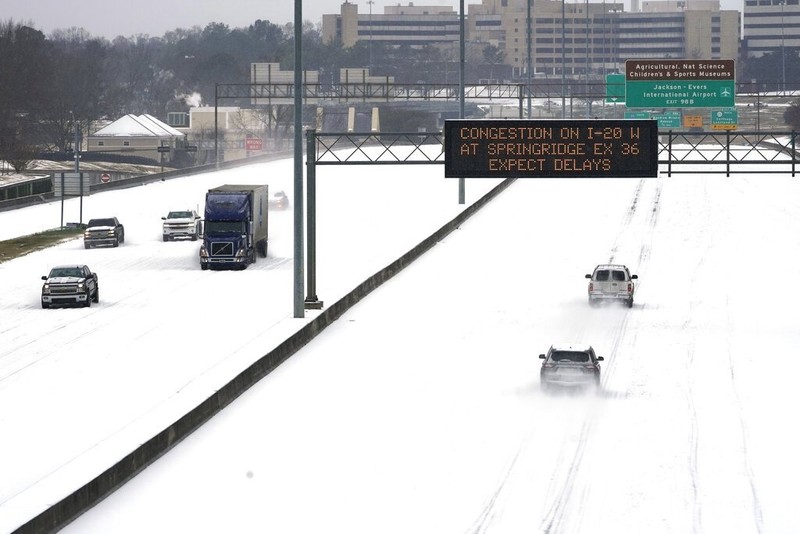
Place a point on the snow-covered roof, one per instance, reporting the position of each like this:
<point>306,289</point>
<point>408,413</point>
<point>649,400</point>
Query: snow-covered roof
<point>142,126</point>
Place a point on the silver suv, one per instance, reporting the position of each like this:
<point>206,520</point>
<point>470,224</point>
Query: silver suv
<point>570,366</point>
<point>611,282</point>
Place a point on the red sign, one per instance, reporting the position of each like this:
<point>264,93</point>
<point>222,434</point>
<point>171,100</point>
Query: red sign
<point>253,143</point>
<point>105,177</point>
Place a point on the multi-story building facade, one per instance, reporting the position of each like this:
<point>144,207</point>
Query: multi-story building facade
<point>771,26</point>
<point>594,38</point>
<point>698,31</point>
<point>584,29</point>
<point>571,38</point>
<point>411,25</point>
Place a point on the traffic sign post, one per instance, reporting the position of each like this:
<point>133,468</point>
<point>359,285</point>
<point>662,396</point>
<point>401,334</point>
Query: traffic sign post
<point>693,121</point>
<point>683,83</point>
<point>724,119</point>
<point>253,144</point>
<point>668,120</point>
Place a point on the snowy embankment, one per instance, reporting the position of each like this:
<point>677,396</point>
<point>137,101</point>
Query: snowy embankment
<point>83,387</point>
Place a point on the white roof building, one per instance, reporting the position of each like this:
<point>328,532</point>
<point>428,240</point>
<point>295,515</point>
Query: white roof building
<point>141,135</point>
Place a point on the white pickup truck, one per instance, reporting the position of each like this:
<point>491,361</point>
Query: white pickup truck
<point>611,282</point>
<point>182,223</point>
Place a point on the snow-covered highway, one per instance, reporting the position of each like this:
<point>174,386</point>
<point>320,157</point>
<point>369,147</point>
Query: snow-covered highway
<point>420,409</point>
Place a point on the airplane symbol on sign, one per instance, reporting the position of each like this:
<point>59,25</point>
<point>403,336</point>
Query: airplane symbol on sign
<point>726,92</point>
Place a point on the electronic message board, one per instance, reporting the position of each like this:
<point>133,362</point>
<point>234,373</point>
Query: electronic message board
<point>550,148</point>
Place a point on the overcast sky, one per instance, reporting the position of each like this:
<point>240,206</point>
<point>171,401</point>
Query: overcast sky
<point>156,17</point>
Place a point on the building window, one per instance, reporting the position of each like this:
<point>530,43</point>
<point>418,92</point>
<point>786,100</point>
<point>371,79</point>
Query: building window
<point>126,143</point>
<point>101,143</point>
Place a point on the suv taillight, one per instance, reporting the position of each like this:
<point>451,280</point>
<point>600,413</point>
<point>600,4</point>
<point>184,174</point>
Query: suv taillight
<point>630,287</point>
<point>591,286</point>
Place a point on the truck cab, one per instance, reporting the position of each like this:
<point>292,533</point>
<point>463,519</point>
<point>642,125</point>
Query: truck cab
<point>235,226</point>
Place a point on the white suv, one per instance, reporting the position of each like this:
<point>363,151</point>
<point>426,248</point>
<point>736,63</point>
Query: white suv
<point>184,223</point>
<point>611,282</point>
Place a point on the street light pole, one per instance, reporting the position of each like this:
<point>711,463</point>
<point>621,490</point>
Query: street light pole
<point>563,61</point>
<point>77,151</point>
<point>298,304</point>
<point>370,2</point>
<point>783,53</point>
<point>529,65</point>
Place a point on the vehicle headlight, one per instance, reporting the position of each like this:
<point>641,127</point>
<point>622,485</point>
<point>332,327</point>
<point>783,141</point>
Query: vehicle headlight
<point>203,252</point>
<point>81,286</point>
<point>46,288</point>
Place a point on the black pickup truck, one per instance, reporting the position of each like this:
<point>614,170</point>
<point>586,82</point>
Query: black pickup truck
<point>107,231</point>
<point>70,284</point>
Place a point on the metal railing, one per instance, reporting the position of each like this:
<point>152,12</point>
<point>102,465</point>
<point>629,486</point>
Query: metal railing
<point>726,152</point>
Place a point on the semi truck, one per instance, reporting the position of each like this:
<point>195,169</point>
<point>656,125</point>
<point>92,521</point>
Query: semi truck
<point>234,226</point>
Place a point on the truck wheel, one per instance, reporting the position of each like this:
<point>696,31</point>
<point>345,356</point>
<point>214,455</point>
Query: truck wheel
<point>86,245</point>
<point>630,303</point>
<point>97,294</point>
<point>45,305</point>
<point>203,266</point>
<point>88,301</point>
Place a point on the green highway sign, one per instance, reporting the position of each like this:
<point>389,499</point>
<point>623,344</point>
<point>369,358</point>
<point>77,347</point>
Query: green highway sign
<point>724,119</point>
<point>679,83</point>
<point>615,88</point>
<point>668,120</point>
<point>640,115</point>
<point>680,94</point>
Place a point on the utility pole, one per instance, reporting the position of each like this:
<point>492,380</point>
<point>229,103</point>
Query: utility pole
<point>77,150</point>
<point>529,62</point>
<point>370,2</point>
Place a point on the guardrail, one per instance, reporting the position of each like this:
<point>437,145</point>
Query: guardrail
<point>725,152</point>
<point>39,197</point>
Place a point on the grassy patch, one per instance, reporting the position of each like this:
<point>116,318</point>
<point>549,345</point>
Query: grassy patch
<point>20,246</point>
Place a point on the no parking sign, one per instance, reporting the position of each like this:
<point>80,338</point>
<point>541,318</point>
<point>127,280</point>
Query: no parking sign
<point>105,177</point>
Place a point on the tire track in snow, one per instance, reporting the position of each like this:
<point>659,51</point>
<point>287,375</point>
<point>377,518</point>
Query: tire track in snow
<point>484,519</point>
<point>52,344</point>
<point>758,516</point>
<point>693,447</point>
<point>626,221</point>
<point>557,510</point>
<point>713,232</point>
<point>568,494</point>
